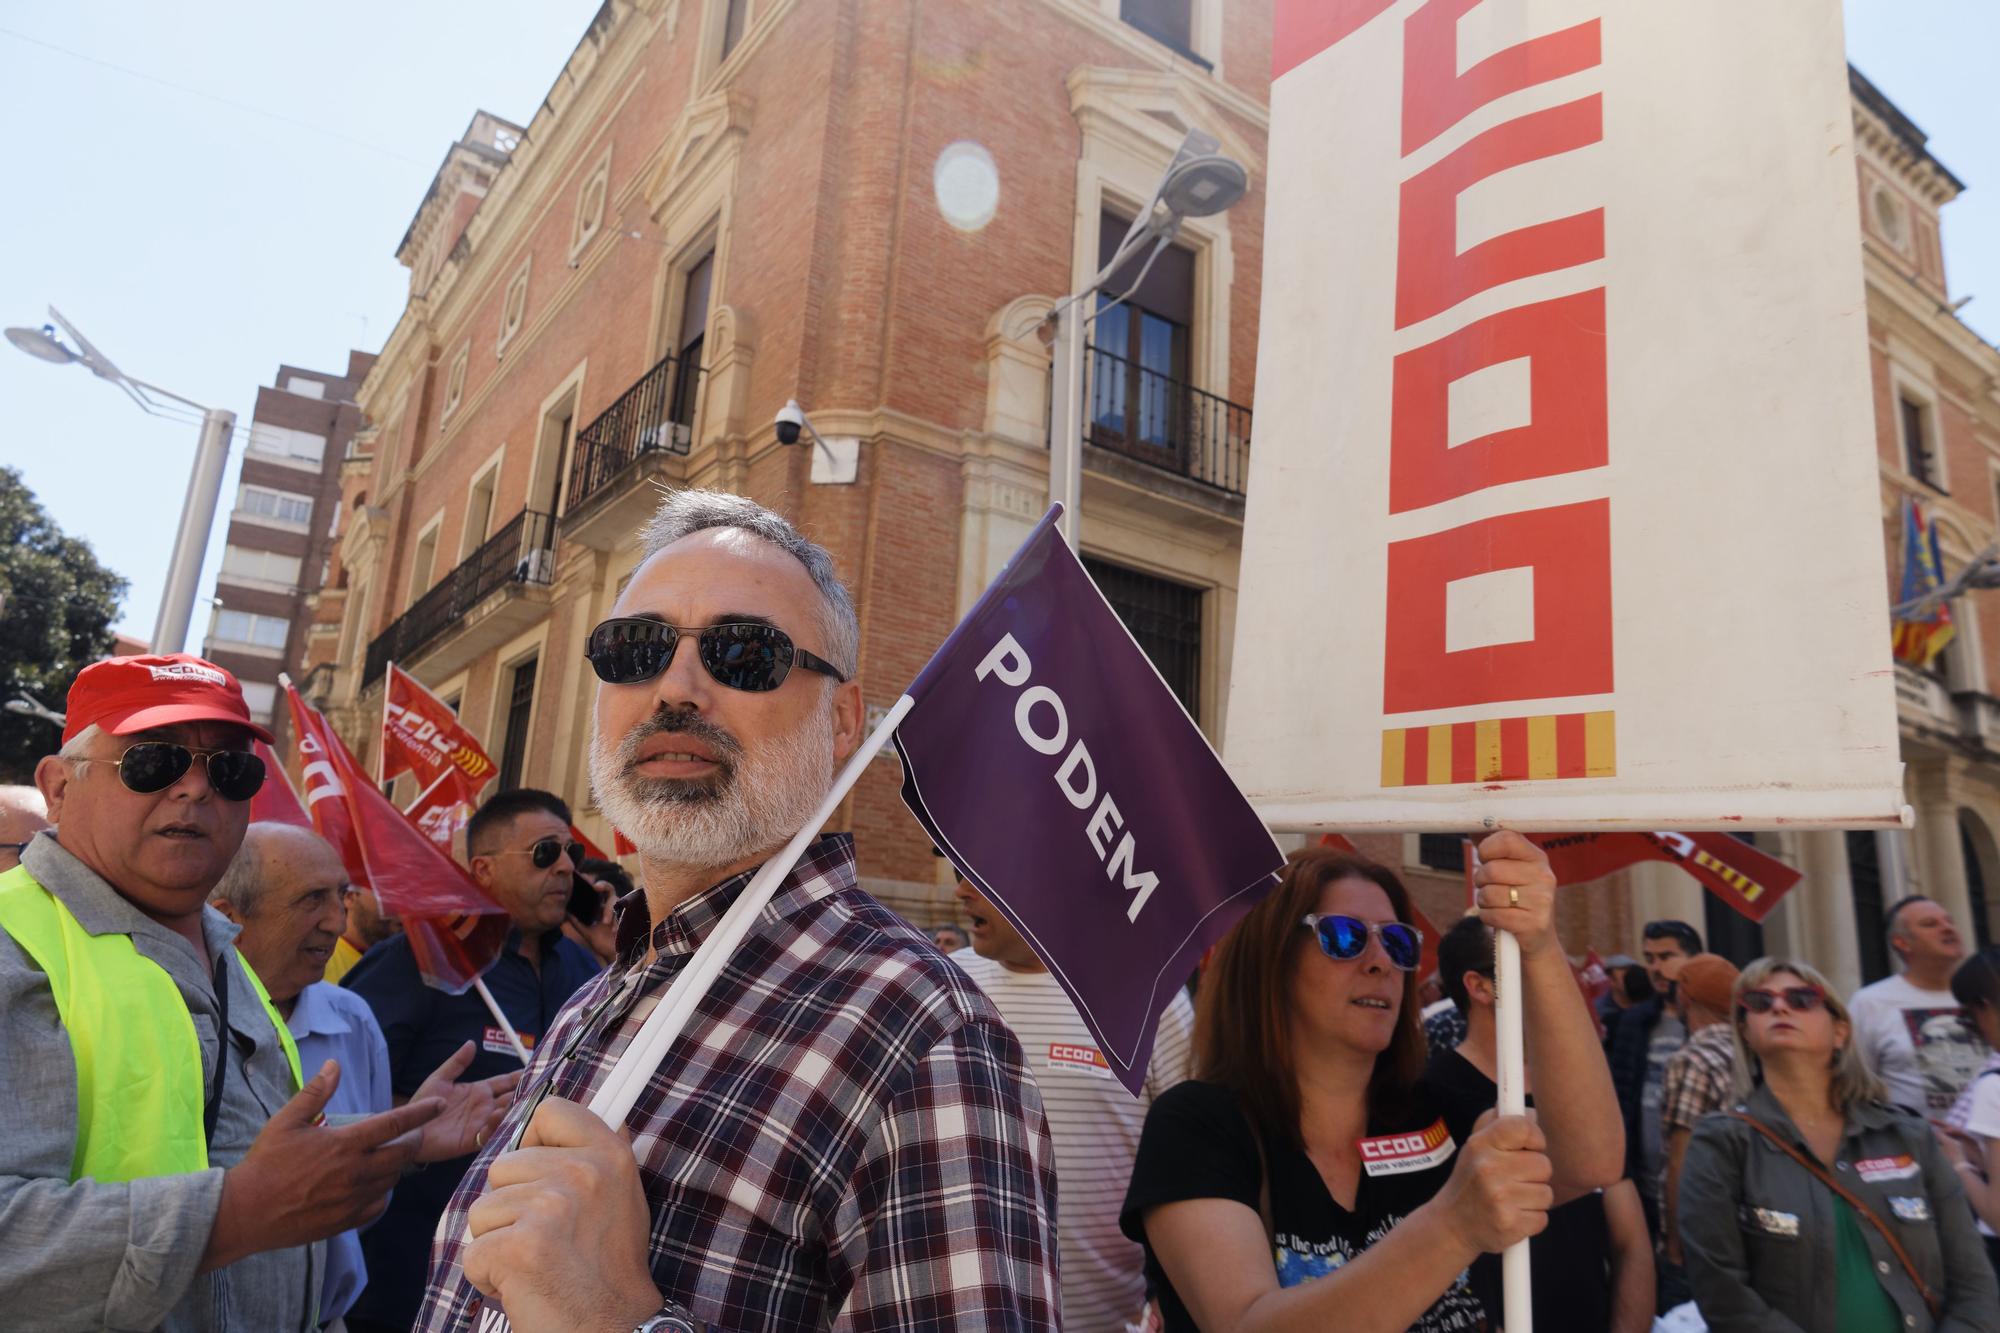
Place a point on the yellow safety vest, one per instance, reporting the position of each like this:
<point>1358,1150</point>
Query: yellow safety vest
<point>139,1076</point>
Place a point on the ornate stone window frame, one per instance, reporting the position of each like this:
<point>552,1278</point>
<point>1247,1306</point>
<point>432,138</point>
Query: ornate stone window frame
<point>591,197</point>
<point>454,382</point>
<point>513,306</point>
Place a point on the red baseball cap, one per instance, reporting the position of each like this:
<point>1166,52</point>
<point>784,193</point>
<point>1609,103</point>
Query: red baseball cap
<point>127,694</point>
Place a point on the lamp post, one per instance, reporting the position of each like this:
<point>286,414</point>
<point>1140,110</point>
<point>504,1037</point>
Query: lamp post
<point>1201,180</point>
<point>204,482</point>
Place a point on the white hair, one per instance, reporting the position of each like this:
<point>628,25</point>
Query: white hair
<point>763,798</point>
<point>243,881</point>
<point>683,513</point>
<point>74,747</point>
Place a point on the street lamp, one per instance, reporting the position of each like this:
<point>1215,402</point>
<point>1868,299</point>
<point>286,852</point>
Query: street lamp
<point>27,705</point>
<point>204,484</point>
<point>1200,181</point>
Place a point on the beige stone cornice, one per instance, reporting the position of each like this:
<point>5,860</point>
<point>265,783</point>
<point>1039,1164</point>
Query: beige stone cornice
<point>709,126</point>
<point>1916,170</point>
<point>1970,358</point>
<point>1158,60</point>
<point>1130,104</point>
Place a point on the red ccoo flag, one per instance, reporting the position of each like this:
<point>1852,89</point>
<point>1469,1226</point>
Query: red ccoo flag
<point>277,801</point>
<point>1748,880</point>
<point>454,928</point>
<point>441,810</point>
<point>421,735</point>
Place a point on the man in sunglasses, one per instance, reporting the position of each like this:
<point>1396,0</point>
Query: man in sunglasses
<point>154,1174</point>
<point>522,853</point>
<point>845,1132</point>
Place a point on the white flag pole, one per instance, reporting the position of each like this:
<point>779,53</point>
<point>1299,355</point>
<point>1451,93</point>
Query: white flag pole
<point>493,1008</point>
<point>620,1090</point>
<point>1518,1315</point>
<point>1511,1066</point>
<point>411,807</point>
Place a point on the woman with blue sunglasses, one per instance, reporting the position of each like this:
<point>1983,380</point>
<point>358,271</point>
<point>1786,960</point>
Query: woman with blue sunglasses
<point>1306,1179</point>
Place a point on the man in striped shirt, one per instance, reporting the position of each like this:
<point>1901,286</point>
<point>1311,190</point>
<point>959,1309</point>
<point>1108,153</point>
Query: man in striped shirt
<point>845,1135</point>
<point>1094,1121</point>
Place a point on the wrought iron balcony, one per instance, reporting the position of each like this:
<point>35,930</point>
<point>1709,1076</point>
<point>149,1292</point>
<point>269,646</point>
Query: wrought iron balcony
<point>521,553</point>
<point>654,416</point>
<point>1142,414</point>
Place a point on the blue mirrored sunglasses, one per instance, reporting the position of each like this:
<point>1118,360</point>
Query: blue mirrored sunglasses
<point>1345,938</point>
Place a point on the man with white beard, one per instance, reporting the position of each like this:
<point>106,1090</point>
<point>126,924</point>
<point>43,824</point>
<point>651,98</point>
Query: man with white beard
<point>845,1133</point>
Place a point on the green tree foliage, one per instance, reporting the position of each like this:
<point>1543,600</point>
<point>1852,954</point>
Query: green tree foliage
<point>56,607</point>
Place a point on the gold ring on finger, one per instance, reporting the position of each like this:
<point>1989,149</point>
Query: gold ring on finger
<point>1513,897</point>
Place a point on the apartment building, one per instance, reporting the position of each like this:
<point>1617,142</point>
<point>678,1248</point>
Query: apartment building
<point>281,527</point>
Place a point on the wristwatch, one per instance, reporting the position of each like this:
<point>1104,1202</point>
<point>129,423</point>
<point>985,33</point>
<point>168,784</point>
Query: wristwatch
<point>672,1318</point>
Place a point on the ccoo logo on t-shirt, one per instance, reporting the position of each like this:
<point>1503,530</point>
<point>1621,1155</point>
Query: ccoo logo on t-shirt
<point>1398,1154</point>
<point>1087,1059</point>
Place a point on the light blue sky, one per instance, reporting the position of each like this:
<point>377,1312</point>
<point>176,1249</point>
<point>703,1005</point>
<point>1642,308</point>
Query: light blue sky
<point>200,242</point>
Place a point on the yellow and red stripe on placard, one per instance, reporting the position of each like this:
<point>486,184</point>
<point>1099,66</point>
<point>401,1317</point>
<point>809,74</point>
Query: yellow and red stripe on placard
<point>1511,749</point>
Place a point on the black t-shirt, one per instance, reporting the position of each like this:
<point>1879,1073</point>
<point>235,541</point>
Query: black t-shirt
<point>1570,1259</point>
<point>1198,1144</point>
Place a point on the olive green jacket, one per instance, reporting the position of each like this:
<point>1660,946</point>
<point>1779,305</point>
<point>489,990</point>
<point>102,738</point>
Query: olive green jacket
<point>1758,1228</point>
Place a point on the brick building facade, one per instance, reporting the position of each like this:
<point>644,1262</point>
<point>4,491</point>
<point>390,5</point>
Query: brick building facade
<point>281,527</point>
<point>726,204</point>
<point>722,205</point>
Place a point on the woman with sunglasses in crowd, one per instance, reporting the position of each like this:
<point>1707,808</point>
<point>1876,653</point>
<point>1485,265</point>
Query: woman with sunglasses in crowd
<point>1813,1204</point>
<point>1306,1179</point>
<point>1974,1141</point>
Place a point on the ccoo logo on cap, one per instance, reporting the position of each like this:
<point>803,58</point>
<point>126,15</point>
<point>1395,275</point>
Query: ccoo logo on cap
<point>122,695</point>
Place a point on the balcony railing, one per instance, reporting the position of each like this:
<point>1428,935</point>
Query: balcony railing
<point>1165,423</point>
<point>655,415</point>
<point>522,552</point>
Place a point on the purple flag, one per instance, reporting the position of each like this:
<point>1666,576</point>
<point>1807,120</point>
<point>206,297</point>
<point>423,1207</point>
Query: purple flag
<point>1049,761</point>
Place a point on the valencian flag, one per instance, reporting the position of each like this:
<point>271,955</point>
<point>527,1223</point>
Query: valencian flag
<point>1049,761</point>
<point>1922,636</point>
<point>455,929</point>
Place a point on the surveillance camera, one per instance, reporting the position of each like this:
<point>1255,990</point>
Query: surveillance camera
<point>791,420</point>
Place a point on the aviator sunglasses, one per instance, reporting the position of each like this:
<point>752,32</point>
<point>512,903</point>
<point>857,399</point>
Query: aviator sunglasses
<point>1799,999</point>
<point>742,655</point>
<point>544,851</point>
<point>154,766</point>
<point>1345,938</point>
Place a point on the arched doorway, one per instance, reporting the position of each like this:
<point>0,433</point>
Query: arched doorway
<point>1982,874</point>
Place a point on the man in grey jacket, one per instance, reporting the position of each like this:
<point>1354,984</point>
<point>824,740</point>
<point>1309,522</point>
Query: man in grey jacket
<point>180,1183</point>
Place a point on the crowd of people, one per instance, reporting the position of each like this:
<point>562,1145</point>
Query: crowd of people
<point>234,1103</point>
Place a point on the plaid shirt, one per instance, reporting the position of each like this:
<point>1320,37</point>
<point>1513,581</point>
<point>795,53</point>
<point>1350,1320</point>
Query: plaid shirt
<point>845,1135</point>
<point>1700,1077</point>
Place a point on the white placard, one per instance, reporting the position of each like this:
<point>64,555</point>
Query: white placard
<point>1563,334</point>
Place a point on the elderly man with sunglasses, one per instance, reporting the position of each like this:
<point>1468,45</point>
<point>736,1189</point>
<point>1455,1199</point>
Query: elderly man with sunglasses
<point>153,1174</point>
<point>523,854</point>
<point>845,1133</point>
